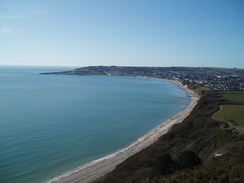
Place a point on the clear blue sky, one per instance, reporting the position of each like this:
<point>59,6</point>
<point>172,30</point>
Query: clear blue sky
<point>122,32</point>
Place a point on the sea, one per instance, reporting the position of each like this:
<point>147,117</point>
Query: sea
<point>50,124</point>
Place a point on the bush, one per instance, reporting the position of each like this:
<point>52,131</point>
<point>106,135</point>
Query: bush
<point>163,165</point>
<point>188,159</point>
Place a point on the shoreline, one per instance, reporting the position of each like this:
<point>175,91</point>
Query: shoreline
<point>98,168</point>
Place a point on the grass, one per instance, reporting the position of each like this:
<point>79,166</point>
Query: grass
<point>88,72</point>
<point>203,88</point>
<point>234,96</point>
<point>234,113</point>
<point>198,87</point>
<point>226,70</point>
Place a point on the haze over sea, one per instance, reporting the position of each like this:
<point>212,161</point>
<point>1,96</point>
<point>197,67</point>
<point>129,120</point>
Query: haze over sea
<point>50,124</point>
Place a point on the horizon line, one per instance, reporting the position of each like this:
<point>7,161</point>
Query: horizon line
<point>80,66</point>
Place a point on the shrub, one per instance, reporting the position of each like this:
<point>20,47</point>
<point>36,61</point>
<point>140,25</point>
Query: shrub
<point>188,159</point>
<point>163,165</point>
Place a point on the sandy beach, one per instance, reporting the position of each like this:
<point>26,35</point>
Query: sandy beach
<point>95,169</point>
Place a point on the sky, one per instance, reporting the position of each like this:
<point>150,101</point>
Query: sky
<point>204,33</point>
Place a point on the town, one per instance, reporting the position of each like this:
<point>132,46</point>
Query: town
<point>206,78</point>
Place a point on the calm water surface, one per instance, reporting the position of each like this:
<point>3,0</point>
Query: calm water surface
<point>50,124</point>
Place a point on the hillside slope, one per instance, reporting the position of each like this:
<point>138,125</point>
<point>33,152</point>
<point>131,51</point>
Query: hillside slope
<point>200,149</point>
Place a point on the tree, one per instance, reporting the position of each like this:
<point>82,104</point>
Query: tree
<point>163,165</point>
<point>188,159</point>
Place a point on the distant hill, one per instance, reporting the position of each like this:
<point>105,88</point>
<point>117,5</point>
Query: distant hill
<point>204,78</point>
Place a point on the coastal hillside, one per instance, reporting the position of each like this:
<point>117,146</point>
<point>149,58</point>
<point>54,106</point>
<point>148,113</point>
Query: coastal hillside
<point>200,149</point>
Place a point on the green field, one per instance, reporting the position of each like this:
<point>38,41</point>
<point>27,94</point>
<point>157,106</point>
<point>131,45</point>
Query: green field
<point>232,112</point>
<point>203,88</point>
<point>234,96</point>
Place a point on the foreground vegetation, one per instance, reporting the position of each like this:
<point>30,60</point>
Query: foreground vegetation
<point>200,149</point>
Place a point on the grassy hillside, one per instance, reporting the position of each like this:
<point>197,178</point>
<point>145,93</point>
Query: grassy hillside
<point>233,113</point>
<point>200,149</point>
<point>237,97</point>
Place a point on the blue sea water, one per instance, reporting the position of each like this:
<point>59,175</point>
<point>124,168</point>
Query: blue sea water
<point>50,124</point>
